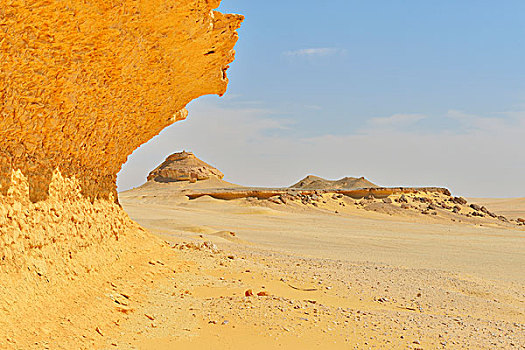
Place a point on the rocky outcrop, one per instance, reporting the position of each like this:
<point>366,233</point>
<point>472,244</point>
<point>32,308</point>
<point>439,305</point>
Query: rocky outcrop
<point>265,193</point>
<point>318,183</point>
<point>183,166</point>
<point>83,84</point>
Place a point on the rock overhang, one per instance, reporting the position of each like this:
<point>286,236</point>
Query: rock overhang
<point>83,84</point>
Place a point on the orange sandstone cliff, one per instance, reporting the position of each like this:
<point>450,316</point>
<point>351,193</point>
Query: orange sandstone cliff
<point>82,85</point>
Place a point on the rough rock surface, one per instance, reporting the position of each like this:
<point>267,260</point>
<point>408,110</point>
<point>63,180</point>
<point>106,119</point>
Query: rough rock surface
<point>83,84</point>
<point>350,183</point>
<point>183,166</point>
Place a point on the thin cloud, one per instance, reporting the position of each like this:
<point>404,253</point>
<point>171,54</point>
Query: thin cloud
<point>315,52</point>
<point>398,119</point>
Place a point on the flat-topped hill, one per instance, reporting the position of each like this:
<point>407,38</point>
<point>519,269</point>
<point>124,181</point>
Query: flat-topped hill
<point>184,166</point>
<point>318,183</point>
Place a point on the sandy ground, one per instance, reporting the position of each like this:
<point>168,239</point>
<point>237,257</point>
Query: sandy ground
<point>355,279</point>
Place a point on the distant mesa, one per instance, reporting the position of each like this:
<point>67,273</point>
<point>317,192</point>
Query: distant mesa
<point>347,183</point>
<point>184,166</point>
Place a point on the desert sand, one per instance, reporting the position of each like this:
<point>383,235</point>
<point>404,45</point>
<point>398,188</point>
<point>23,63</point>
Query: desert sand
<point>333,275</point>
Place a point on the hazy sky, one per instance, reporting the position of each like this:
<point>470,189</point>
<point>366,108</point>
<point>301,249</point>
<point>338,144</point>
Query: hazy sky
<point>402,92</point>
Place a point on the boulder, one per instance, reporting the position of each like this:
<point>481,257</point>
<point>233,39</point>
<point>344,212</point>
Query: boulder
<point>459,200</point>
<point>476,207</point>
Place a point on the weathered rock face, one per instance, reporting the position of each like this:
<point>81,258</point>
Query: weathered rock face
<point>349,183</point>
<point>84,83</point>
<point>183,166</point>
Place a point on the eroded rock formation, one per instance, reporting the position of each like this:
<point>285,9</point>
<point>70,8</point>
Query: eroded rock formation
<point>183,166</point>
<point>347,183</point>
<point>84,83</point>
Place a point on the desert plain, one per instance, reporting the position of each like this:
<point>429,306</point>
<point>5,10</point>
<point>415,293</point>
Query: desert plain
<point>332,272</point>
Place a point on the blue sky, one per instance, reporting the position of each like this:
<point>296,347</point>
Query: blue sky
<point>402,92</point>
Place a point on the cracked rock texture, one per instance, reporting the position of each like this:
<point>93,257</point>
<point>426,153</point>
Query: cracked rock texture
<point>84,83</point>
<point>183,166</point>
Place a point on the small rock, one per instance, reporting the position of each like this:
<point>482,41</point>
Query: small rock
<point>248,293</point>
<point>459,200</point>
<point>403,199</point>
<point>475,207</point>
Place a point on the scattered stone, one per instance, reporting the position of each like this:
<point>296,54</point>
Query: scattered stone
<point>275,199</point>
<point>475,207</point>
<point>459,200</point>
